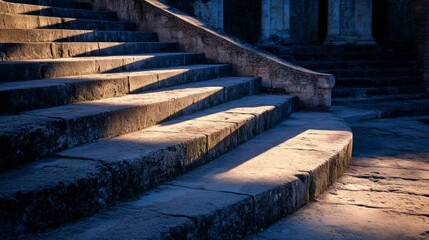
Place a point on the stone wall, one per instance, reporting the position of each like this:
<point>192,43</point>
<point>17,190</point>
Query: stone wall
<point>312,88</point>
<point>400,26</point>
<point>304,21</point>
<point>421,35</point>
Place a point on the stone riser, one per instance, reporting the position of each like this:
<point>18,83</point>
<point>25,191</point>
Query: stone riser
<point>14,97</point>
<point>345,73</point>
<point>349,57</point>
<point>52,68</point>
<point>8,21</point>
<point>27,51</point>
<point>364,92</point>
<point>376,99</point>
<point>55,35</point>
<point>55,3</point>
<point>244,191</point>
<point>77,188</point>
<point>38,133</point>
<point>377,82</point>
<point>361,65</point>
<point>6,7</point>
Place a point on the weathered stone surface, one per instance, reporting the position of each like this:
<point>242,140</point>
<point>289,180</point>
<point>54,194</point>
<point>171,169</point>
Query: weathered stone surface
<point>227,216</point>
<point>312,88</point>
<point>47,8</point>
<point>384,195</point>
<point>27,95</point>
<point>134,224</point>
<point>25,138</point>
<point>238,193</point>
<point>57,35</point>
<point>52,68</point>
<point>64,189</point>
<point>41,22</point>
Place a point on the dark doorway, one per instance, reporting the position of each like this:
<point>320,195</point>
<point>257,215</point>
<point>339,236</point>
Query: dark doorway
<point>379,21</point>
<point>323,20</point>
<point>242,18</point>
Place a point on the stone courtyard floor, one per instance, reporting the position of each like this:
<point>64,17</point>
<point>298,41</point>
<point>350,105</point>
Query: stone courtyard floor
<point>384,195</point>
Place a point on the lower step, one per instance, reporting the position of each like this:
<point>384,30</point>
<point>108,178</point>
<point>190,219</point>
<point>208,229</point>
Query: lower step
<point>239,193</point>
<point>90,177</point>
<point>363,92</point>
<point>30,135</point>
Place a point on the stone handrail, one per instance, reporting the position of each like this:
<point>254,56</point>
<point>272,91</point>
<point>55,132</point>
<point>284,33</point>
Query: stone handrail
<point>312,88</point>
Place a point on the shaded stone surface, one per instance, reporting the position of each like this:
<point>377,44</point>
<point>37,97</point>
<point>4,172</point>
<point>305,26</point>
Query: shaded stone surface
<point>384,195</point>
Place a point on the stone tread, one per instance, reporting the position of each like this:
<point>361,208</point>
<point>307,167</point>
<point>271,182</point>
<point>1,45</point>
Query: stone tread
<point>40,10</point>
<point>374,91</point>
<point>60,67</point>
<point>130,163</point>
<point>61,35</point>
<point>53,50</point>
<point>32,134</point>
<point>54,3</point>
<point>241,192</point>
<point>43,22</point>
<point>375,99</point>
<point>14,96</point>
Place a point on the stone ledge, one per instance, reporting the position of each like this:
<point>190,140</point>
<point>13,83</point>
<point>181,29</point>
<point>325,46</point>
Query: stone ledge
<point>245,190</point>
<point>312,88</point>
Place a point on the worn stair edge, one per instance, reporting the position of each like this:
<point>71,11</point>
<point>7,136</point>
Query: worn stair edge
<point>55,3</point>
<point>76,66</point>
<point>28,136</point>
<point>58,11</point>
<point>43,22</point>
<point>57,35</point>
<point>131,163</point>
<point>52,50</point>
<point>239,193</point>
<point>16,97</point>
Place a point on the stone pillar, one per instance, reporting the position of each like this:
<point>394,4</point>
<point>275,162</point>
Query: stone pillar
<point>349,22</point>
<point>275,22</point>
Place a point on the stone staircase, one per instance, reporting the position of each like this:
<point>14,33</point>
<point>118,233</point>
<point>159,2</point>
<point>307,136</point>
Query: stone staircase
<point>98,118</point>
<point>366,76</point>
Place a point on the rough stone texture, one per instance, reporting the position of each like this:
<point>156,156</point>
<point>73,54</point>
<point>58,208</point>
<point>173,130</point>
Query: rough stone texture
<point>64,190</point>
<point>240,192</point>
<point>40,50</point>
<point>27,95</point>
<point>41,22</point>
<point>312,88</point>
<point>134,163</point>
<point>304,21</point>
<point>52,68</point>
<point>32,134</point>
<point>57,35</point>
<point>34,8</point>
<point>132,223</point>
<point>384,195</point>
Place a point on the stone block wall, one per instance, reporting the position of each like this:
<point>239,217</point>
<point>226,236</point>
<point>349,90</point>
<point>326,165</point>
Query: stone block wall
<point>421,35</point>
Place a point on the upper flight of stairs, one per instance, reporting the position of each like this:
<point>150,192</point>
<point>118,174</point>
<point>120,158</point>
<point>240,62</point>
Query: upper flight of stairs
<point>94,113</point>
<point>362,73</point>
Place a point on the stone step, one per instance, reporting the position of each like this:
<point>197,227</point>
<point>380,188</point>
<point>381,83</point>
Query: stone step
<point>377,81</point>
<point>41,22</point>
<point>367,91</point>
<point>369,64</point>
<point>377,72</point>
<point>52,68</point>
<point>54,3</point>
<point>29,9</point>
<point>243,191</point>
<point>20,96</point>
<point>30,135</point>
<point>365,56</point>
<point>375,99</point>
<point>57,35</point>
<point>80,181</point>
<point>52,50</point>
